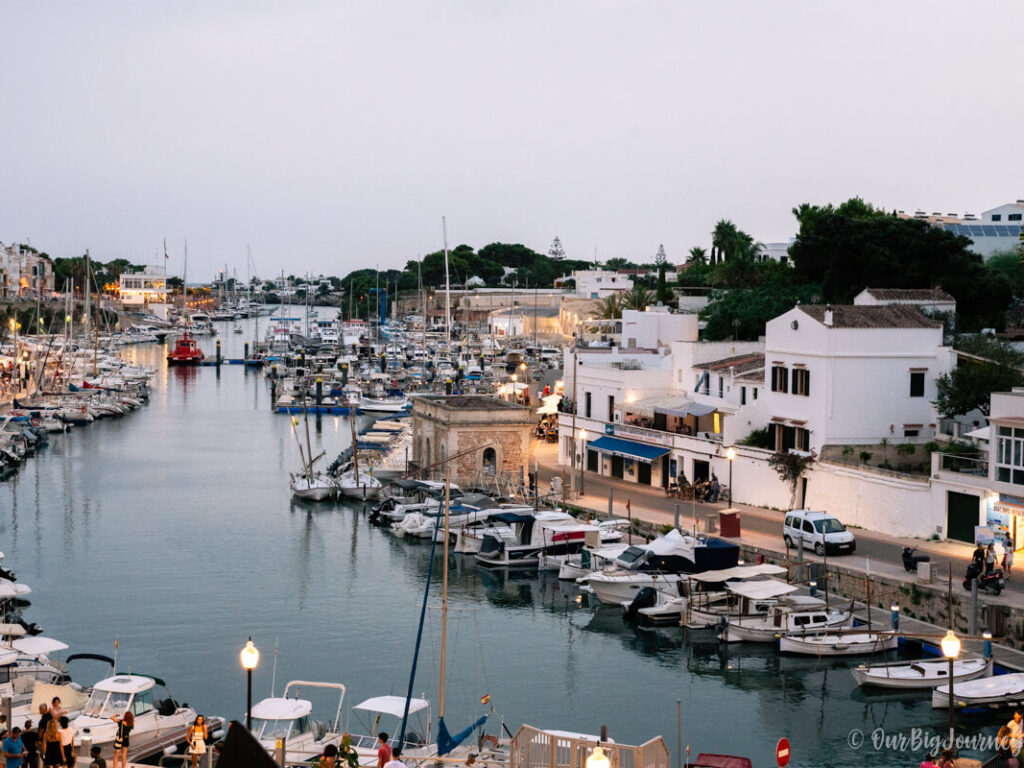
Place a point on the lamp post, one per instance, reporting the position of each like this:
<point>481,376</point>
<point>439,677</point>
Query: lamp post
<point>730,454</point>
<point>583,457</point>
<point>250,657</point>
<point>951,649</point>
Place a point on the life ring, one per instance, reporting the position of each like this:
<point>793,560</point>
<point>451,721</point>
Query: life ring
<point>486,738</point>
<point>36,421</point>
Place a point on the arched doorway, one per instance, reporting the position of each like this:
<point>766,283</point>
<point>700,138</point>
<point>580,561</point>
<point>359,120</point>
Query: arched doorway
<point>490,462</point>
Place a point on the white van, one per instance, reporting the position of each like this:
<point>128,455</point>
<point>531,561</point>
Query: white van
<point>817,531</point>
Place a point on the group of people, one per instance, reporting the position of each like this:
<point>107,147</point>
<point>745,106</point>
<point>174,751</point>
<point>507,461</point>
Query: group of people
<point>987,559</point>
<point>51,741</point>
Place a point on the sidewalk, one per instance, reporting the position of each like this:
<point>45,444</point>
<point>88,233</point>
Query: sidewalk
<point>877,552</point>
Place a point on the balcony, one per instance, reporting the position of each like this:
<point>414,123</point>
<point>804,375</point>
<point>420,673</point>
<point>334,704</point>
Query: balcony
<point>962,465</point>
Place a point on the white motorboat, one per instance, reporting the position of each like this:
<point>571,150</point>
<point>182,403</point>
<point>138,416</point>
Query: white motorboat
<point>588,560</point>
<point>986,693</point>
<point>385,405</point>
<point>289,719</point>
<point>531,535</point>
<point>159,724</point>
<point>418,741</point>
<point>922,674</point>
<point>710,603</point>
<point>838,644</point>
<point>792,615</point>
<point>316,487</point>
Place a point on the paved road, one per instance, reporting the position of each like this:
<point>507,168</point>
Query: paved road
<point>763,527</point>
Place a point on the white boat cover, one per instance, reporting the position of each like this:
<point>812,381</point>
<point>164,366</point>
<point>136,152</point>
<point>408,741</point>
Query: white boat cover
<point>739,572</point>
<point>986,687</point>
<point>12,589</point>
<point>35,646</point>
<point>71,698</point>
<point>392,705</point>
<point>11,630</point>
<point>761,590</point>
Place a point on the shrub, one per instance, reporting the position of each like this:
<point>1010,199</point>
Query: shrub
<point>865,456</point>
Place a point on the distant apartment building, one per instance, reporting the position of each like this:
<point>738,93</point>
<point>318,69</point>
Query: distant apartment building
<point>597,283</point>
<point>24,273</point>
<point>996,230</point>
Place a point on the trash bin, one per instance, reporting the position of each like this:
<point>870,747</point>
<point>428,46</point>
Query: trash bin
<point>729,524</point>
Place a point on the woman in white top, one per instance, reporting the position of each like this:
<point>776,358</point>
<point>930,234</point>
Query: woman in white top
<point>67,740</point>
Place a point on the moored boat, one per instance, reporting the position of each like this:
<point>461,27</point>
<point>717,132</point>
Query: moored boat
<point>985,693</point>
<point>186,351</point>
<point>921,674</point>
<point>838,644</point>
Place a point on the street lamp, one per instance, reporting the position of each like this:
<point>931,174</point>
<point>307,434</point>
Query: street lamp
<point>730,454</point>
<point>950,649</point>
<point>250,657</point>
<point>597,758</point>
<point>583,457</point>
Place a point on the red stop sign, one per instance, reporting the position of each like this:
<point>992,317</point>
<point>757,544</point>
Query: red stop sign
<point>782,752</point>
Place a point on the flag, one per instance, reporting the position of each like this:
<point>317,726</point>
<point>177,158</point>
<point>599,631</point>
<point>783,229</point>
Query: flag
<point>295,421</point>
<point>485,699</point>
<point>166,257</point>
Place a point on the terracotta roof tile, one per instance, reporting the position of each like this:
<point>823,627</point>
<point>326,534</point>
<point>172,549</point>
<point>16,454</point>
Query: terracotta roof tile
<point>883,316</point>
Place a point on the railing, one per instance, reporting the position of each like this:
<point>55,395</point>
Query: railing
<point>966,465</point>
<point>534,748</point>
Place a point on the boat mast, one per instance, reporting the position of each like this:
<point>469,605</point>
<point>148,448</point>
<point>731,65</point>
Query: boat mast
<point>184,288</point>
<point>447,287</point>
<point>86,319</point>
<point>444,585</point>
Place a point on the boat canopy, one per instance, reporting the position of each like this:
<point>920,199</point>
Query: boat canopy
<point>511,517</point>
<point>739,572</point>
<point>8,657</point>
<point>121,683</point>
<point>13,589</point>
<point>761,590</point>
<point>35,646</point>
<point>11,630</point>
<point>282,709</point>
<point>392,705</point>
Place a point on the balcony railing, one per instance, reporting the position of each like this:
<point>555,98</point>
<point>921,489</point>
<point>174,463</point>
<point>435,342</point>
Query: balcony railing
<point>965,465</point>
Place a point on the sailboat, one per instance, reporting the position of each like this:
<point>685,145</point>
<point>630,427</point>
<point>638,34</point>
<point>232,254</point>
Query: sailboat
<point>352,482</point>
<point>310,484</point>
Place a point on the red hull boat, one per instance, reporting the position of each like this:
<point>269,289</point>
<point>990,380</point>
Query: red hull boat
<point>186,351</point>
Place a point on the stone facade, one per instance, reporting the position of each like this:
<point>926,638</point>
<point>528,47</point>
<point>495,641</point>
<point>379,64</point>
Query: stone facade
<point>490,438</point>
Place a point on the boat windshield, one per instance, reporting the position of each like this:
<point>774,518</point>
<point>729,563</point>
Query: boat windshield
<point>267,730</point>
<point>107,703</point>
<point>830,525</point>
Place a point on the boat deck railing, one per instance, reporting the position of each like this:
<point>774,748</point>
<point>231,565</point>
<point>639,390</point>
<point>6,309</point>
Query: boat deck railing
<point>534,748</point>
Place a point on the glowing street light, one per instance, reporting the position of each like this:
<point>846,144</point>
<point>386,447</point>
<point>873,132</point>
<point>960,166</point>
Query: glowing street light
<point>950,649</point>
<point>250,657</point>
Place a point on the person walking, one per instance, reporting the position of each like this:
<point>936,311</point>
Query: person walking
<point>990,558</point>
<point>396,759</point>
<point>1008,555</point>
<point>197,736</point>
<point>383,750</point>
<point>44,719</point>
<point>53,753</point>
<point>124,730</point>
<point>13,749</point>
<point>67,740</point>
<point>30,739</point>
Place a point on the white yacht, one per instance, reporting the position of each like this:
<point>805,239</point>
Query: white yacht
<point>290,719</point>
<point>791,615</point>
<point>528,535</point>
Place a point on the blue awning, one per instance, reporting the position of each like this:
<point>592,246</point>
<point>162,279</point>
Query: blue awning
<point>631,450</point>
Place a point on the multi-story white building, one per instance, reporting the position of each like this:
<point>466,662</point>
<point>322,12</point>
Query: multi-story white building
<point>24,273</point>
<point>146,291</point>
<point>598,283</point>
<point>851,375</point>
<point>996,230</point>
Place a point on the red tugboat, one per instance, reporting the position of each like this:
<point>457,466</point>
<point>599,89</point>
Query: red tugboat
<point>186,351</point>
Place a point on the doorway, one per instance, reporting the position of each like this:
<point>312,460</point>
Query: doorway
<point>643,473</point>
<point>618,467</point>
<point>701,471</point>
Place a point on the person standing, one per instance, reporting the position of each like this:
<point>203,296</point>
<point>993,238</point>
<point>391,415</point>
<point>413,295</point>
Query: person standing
<point>396,759</point>
<point>30,739</point>
<point>1016,728</point>
<point>53,755</point>
<point>124,730</point>
<point>1008,555</point>
<point>67,740</point>
<point>13,749</point>
<point>383,750</point>
<point>197,736</point>
<point>56,710</point>
<point>97,761</point>
<point>44,719</point>
<point>990,558</point>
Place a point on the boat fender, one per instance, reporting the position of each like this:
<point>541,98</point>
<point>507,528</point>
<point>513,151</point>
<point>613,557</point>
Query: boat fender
<point>486,738</point>
<point>36,421</point>
<point>170,750</point>
<point>218,734</point>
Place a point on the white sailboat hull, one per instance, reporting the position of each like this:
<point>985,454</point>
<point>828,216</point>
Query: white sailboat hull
<point>1001,690</point>
<point>852,644</point>
<point>922,674</point>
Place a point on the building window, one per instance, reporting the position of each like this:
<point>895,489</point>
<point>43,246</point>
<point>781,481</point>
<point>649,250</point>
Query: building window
<point>743,395</point>
<point>586,404</point>
<point>997,217</point>
<point>611,407</point>
<point>917,383</point>
<point>755,393</point>
<point>801,382</point>
<point>721,386</point>
<point>490,462</point>
<point>780,378</point>
<point>786,438</point>
<point>911,432</point>
<point>1010,456</point>
<point>1014,217</point>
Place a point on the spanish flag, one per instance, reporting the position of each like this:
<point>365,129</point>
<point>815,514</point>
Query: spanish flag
<point>485,699</point>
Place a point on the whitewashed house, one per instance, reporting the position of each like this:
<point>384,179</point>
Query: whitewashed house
<point>926,299</point>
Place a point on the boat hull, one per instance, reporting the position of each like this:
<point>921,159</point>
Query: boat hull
<point>921,674</point>
<point>838,645</point>
<point>986,694</point>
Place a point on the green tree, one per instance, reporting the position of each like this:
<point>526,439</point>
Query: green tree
<point>556,251</point>
<point>742,313</point>
<point>698,255</point>
<point>639,298</point>
<point>790,468</point>
<point>994,367</point>
<point>619,263</point>
<point>608,308</point>
<point>662,292</point>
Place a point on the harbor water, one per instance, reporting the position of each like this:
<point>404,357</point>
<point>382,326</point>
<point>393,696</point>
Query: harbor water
<point>171,532</point>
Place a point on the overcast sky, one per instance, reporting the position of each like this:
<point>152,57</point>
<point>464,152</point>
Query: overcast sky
<point>335,135</point>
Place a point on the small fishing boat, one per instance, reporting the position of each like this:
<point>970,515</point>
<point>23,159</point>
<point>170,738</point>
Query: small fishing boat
<point>791,615</point>
<point>921,674</point>
<point>289,720</point>
<point>186,351</point>
<point>984,693</point>
<point>837,644</point>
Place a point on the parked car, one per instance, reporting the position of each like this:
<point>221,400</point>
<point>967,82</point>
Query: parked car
<point>818,531</point>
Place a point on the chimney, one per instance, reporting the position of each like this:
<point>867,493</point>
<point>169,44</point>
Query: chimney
<point>828,315</point>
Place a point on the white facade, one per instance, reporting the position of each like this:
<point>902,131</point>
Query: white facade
<point>599,283</point>
<point>852,375</point>
<point>928,300</point>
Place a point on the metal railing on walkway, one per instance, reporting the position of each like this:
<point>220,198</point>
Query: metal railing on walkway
<point>534,748</point>
<point>966,465</point>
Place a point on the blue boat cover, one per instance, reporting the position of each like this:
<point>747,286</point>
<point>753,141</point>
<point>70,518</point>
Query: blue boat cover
<point>628,448</point>
<point>446,742</point>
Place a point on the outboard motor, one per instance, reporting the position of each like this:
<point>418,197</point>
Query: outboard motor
<point>647,597</point>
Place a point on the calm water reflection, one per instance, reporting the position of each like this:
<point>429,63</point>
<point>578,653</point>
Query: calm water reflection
<point>172,531</point>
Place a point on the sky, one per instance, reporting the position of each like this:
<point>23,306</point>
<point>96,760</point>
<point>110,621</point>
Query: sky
<point>331,136</point>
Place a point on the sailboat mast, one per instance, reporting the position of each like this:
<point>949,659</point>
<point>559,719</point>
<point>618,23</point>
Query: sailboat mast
<point>447,287</point>
<point>87,318</point>
<point>184,287</point>
<point>444,586</point>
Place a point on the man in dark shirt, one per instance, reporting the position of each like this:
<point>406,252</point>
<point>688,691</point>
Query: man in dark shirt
<point>44,718</point>
<point>30,739</point>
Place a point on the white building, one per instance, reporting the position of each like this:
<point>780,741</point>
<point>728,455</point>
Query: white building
<point>997,230</point>
<point>849,375</point>
<point>598,283</point>
<point>926,299</point>
<point>145,291</point>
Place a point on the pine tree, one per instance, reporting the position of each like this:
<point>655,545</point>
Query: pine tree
<point>556,252</point>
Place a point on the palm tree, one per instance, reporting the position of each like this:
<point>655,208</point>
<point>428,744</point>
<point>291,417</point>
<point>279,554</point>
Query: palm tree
<point>723,240</point>
<point>698,256</point>
<point>639,298</point>
<point>608,308</point>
